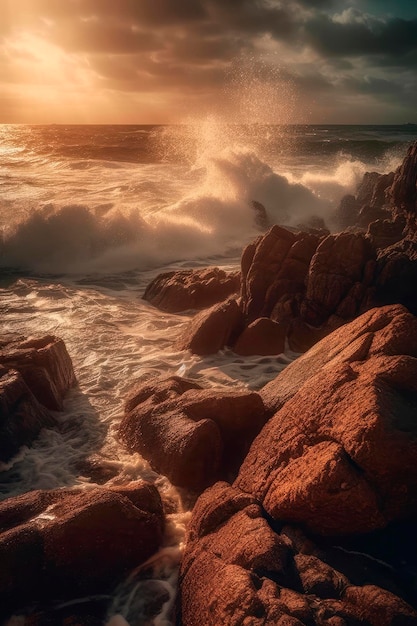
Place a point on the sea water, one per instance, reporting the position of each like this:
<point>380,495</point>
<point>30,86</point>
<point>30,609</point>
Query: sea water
<point>89,215</point>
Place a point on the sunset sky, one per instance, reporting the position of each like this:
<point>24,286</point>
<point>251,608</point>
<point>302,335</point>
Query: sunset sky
<point>159,61</point>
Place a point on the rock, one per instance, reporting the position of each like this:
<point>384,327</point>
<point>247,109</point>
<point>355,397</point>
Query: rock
<point>21,415</point>
<point>403,191</point>
<point>191,289</point>
<point>337,265</point>
<point>387,330</point>
<point>96,539</point>
<point>238,569</point>
<point>369,204</point>
<point>373,189</point>
<point>340,456</point>
<point>45,366</point>
<point>273,266</point>
<point>347,212</point>
<point>386,232</point>
<point>190,434</point>
<point>369,214</point>
<point>263,336</point>
<point>301,336</point>
<point>396,274</point>
<point>63,543</point>
<point>212,330</point>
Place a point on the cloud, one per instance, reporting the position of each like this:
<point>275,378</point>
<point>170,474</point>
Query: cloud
<point>159,51</point>
<point>353,33</point>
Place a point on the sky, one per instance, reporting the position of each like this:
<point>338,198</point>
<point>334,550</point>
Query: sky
<point>169,61</point>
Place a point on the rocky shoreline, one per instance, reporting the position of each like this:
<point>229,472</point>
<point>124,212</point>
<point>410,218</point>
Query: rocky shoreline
<point>307,504</point>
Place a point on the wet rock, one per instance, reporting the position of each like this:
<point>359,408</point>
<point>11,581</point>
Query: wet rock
<point>301,336</point>
<point>191,289</point>
<point>396,274</point>
<point>390,330</point>
<point>64,543</point>
<point>403,191</point>
<point>190,434</point>
<point>45,366</point>
<point>369,203</point>
<point>212,330</point>
<point>21,415</point>
<point>263,337</point>
<point>347,212</point>
<point>337,265</point>
<point>238,569</point>
<point>340,455</point>
<point>273,266</point>
<point>386,232</point>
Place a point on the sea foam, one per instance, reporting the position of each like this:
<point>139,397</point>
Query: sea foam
<point>215,216</point>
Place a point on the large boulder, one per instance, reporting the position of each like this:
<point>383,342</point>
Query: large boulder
<point>396,274</point>
<point>21,415</point>
<point>337,273</point>
<point>190,434</point>
<point>191,289</point>
<point>263,336</point>
<point>274,269</point>
<point>390,330</point>
<point>340,456</point>
<point>212,330</point>
<point>237,569</point>
<point>403,191</point>
<point>35,375</point>
<point>45,366</point>
<point>65,543</point>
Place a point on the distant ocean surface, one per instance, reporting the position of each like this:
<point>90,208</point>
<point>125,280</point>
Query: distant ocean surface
<point>90,214</point>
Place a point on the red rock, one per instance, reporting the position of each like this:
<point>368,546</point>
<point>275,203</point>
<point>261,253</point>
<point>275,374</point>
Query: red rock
<point>21,557</point>
<point>45,367</point>
<point>301,337</point>
<point>340,456</point>
<point>191,289</point>
<point>386,232</point>
<point>273,266</point>
<point>396,274</point>
<point>339,263</point>
<point>403,191</point>
<point>212,330</point>
<point>96,538</point>
<point>347,212</point>
<point>370,201</point>
<point>71,542</point>
<point>21,415</point>
<point>390,330</point>
<point>379,606</point>
<point>263,336</point>
<point>237,570</point>
<point>319,578</point>
<point>190,434</point>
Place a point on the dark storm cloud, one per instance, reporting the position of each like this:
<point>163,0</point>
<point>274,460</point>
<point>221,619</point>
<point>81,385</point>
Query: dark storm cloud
<point>368,37</point>
<point>317,4</point>
<point>256,16</point>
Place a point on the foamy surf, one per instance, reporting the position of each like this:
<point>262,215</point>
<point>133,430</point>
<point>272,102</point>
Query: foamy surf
<point>141,216</point>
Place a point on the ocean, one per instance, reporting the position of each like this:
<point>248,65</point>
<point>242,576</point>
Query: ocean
<point>90,214</point>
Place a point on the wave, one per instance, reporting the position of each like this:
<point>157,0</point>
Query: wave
<point>216,218</point>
